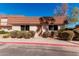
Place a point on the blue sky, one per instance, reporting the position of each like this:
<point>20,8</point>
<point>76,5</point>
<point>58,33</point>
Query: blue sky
<point>32,9</point>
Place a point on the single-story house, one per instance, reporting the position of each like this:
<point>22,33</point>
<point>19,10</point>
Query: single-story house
<point>16,22</point>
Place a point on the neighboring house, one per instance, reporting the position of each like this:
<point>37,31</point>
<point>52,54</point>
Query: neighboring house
<point>13,22</point>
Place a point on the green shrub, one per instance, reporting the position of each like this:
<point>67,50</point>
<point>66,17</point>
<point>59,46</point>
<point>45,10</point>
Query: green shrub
<point>51,34</point>
<point>6,36</point>
<point>66,35</point>
<point>26,35</point>
<point>13,34</point>
<point>32,33</point>
<point>22,34</point>
<point>19,34</point>
<point>45,34</point>
<point>3,32</point>
<point>48,34</point>
<point>76,35</point>
<point>60,34</point>
<point>61,30</point>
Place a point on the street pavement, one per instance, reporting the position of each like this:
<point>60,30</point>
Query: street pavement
<point>12,48</point>
<point>37,50</point>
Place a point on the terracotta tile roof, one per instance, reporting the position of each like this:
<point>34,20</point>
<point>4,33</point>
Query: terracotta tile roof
<point>20,20</point>
<point>24,20</point>
<point>60,19</point>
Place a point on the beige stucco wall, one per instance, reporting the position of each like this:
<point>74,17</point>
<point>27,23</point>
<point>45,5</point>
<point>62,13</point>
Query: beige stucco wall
<point>16,28</point>
<point>33,28</point>
<point>4,29</point>
<point>59,27</point>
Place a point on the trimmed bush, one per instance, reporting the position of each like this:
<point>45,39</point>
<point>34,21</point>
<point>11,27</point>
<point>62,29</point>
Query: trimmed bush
<point>13,34</point>
<point>61,30</point>
<point>45,34</point>
<point>32,33</point>
<point>26,35</point>
<point>48,34</point>
<point>60,33</point>
<point>76,35</point>
<point>52,34</point>
<point>22,34</point>
<point>66,35</point>
<point>6,36</point>
<point>19,34</point>
<point>3,32</point>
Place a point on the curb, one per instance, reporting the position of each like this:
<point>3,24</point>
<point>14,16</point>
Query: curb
<point>37,43</point>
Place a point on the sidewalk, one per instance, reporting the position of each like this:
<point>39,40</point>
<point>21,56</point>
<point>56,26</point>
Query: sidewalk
<point>75,42</point>
<point>37,40</point>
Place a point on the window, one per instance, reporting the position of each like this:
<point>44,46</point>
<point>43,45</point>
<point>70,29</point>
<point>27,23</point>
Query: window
<point>27,27</point>
<point>3,21</point>
<point>53,27</point>
<point>24,27</point>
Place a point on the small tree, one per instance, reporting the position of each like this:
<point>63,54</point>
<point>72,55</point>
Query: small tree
<point>74,14</point>
<point>64,8</point>
<point>61,10</point>
<point>44,22</point>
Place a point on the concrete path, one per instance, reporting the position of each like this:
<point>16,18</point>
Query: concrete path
<point>75,42</point>
<point>38,40</point>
